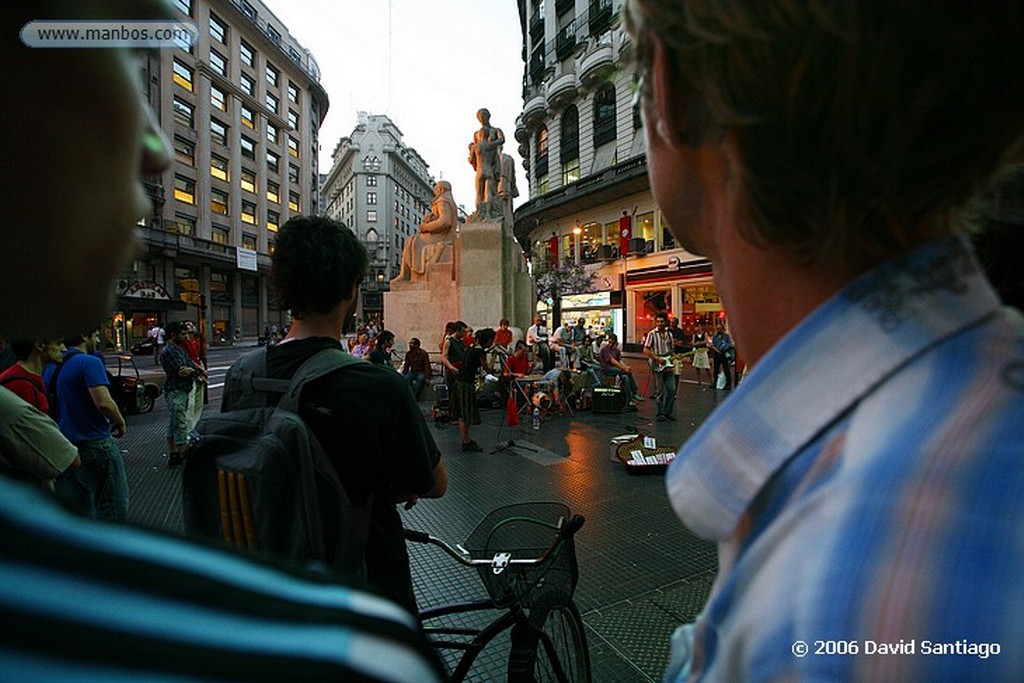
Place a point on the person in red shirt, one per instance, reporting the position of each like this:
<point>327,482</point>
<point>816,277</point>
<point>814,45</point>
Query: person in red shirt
<point>24,378</point>
<point>503,335</point>
<point>416,367</point>
<point>518,364</point>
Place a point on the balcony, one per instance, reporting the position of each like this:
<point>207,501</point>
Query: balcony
<point>563,6</point>
<point>522,134</point>
<point>600,16</point>
<point>565,42</point>
<point>561,91</point>
<point>533,112</point>
<point>596,66</point>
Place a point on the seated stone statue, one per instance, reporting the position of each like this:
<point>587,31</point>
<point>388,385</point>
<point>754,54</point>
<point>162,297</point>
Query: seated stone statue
<point>437,230</point>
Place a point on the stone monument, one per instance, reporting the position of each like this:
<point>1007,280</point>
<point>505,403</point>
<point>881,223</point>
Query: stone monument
<point>474,271</point>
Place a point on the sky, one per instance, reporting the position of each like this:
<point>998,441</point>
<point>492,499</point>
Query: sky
<point>448,58</point>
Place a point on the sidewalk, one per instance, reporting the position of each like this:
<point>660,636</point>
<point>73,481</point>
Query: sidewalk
<point>641,572</point>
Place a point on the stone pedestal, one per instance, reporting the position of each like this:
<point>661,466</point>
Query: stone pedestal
<point>490,283</point>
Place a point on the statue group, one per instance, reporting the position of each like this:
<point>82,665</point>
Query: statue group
<point>495,189</point>
<point>495,171</point>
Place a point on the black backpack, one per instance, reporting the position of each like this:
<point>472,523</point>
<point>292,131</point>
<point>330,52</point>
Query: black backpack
<point>257,478</point>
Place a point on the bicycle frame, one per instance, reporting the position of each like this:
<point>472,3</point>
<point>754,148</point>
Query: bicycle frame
<point>482,637</point>
<point>513,615</point>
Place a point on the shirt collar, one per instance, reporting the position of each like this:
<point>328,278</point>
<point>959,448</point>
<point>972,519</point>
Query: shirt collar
<point>817,371</point>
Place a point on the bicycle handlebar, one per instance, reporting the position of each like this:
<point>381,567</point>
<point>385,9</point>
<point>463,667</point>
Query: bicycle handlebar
<point>565,530</point>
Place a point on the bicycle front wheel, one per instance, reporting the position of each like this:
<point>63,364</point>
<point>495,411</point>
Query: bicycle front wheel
<point>564,627</point>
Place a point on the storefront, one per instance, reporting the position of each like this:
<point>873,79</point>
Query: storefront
<point>601,311</point>
<point>683,290</point>
<point>141,305</point>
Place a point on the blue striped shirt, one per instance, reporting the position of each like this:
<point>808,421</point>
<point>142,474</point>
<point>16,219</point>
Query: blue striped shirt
<point>85,600</point>
<point>865,485</point>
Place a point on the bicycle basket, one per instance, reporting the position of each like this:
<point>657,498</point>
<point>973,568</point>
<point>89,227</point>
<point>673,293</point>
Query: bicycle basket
<point>525,531</point>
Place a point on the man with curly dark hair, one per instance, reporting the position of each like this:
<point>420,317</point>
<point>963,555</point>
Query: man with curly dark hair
<point>364,415</point>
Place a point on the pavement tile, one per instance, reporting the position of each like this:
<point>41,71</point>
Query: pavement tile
<point>641,572</point>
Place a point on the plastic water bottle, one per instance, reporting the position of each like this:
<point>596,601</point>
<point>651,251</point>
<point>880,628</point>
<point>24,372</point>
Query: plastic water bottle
<point>536,419</point>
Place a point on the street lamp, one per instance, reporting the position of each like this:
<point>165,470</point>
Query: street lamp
<point>577,231</point>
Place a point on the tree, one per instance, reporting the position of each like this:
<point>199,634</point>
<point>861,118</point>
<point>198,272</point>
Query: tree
<point>557,280</point>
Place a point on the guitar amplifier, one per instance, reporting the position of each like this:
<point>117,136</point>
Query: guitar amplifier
<point>607,400</point>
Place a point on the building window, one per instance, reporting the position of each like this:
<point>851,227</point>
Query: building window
<point>249,214</point>
<point>246,52</point>
<point>371,215</point>
<point>273,220</point>
<point>219,202</point>
<point>184,5</point>
<point>248,148</point>
<point>604,115</point>
<point>248,117</point>
<point>249,11</point>
<point>184,189</point>
<point>293,173</point>
<point>272,133</point>
<point>248,239</point>
<point>247,84</point>
<point>293,93</point>
<point>294,200</point>
<point>218,167</point>
<point>273,162</point>
<point>274,36</point>
<point>184,151</point>
<point>218,132</point>
<point>218,63</point>
<point>293,120</point>
<point>272,74</point>
<point>218,99</point>
<point>371,181</point>
<point>571,171</point>
<point>371,198</point>
<point>248,181</point>
<point>542,152</point>
<point>218,29</point>
<point>272,102</point>
<point>569,149</point>
<point>182,75</point>
<point>184,113</point>
<point>220,235</point>
<point>273,192</point>
<point>293,147</point>
<point>183,41</point>
<point>182,224</point>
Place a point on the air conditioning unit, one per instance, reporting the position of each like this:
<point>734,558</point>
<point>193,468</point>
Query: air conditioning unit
<point>637,245</point>
<point>606,252</point>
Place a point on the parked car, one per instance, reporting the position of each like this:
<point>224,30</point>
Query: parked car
<point>131,393</point>
<point>143,348</point>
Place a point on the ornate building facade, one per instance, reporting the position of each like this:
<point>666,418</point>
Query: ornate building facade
<point>582,141</point>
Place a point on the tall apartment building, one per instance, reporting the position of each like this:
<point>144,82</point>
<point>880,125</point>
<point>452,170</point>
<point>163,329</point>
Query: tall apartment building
<point>379,187</point>
<point>583,146</point>
<point>242,107</point>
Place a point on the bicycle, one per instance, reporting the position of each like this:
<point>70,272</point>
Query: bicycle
<point>530,573</point>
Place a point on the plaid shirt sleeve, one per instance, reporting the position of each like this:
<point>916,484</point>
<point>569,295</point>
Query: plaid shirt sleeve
<point>864,483</point>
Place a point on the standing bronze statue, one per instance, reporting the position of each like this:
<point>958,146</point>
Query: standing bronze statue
<point>485,158</point>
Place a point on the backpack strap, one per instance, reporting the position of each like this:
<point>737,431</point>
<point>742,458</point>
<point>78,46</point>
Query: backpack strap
<point>321,363</point>
<point>247,384</point>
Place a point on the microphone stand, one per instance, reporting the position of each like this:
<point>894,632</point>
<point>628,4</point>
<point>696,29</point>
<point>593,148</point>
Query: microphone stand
<point>511,443</point>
